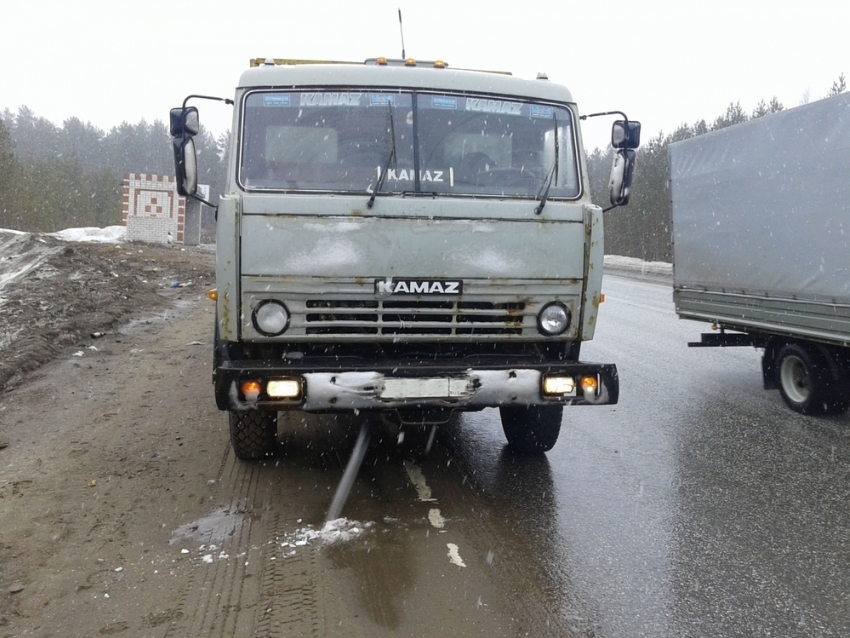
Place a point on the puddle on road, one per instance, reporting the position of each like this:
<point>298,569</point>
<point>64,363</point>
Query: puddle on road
<point>218,526</point>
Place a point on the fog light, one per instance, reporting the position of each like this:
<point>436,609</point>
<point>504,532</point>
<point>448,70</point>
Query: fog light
<point>284,388</point>
<point>589,386</point>
<point>251,390</point>
<point>559,385</point>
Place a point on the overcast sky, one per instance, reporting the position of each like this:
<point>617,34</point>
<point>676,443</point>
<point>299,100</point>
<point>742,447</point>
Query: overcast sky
<point>663,62</point>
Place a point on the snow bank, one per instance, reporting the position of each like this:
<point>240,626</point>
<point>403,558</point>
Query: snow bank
<point>108,235</point>
<point>634,266</point>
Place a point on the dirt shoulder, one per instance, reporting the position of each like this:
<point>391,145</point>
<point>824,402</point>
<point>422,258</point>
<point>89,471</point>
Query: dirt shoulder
<point>55,294</point>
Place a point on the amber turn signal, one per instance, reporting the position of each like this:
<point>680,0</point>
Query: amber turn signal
<point>251,389</point>
<point>589,385</point>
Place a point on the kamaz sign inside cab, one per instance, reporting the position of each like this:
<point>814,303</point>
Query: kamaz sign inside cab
<point>405,238</point>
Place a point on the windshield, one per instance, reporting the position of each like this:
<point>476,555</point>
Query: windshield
<point>343,141</point>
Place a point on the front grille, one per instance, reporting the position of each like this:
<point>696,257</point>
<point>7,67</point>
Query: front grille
<point>399,317</point>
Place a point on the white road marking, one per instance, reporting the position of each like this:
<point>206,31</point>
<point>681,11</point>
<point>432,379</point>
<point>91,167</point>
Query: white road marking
<point>418,480</point>
<point>454,556</point>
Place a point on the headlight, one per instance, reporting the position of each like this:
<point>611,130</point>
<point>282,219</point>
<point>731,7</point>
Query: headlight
<point>554,319</point>
<point>271,318</point>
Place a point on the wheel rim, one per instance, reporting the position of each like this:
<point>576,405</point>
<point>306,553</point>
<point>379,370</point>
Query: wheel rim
<point>795,379</point>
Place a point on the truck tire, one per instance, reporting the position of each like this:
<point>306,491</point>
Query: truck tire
<point>253,433</point>
<point>804,382</point>
<point>531,429</point>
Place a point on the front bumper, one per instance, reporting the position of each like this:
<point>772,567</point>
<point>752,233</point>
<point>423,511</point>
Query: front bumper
<point>402,386</point>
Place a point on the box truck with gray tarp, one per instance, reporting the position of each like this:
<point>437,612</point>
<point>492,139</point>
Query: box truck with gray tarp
<point>761,246</point>
<point>405,238</point>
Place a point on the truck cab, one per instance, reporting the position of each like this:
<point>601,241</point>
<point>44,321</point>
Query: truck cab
<point>405,238</point>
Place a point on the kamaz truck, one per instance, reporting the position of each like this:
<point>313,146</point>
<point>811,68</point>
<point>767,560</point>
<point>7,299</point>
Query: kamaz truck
<point>405,238</point>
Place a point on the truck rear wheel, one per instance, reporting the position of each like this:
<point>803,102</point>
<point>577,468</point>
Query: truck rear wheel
<point>253,433</point>
<point>531,429</point>
<point>804,383</point>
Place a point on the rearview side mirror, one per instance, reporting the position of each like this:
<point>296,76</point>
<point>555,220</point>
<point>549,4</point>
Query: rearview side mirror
<point>625,134</point>
<point>620,183</point>
<point>185,125</point>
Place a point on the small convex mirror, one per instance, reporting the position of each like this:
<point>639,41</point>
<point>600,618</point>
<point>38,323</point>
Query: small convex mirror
<point>184,121</point>
<point>625,134</point>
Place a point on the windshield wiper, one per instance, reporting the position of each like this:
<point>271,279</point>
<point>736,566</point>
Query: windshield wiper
<point>383,176</point>
<point>545,188</point>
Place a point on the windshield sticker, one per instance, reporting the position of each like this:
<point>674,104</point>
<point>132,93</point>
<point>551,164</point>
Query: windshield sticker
<point>276,100</point>
<point>331,99</point>
<point>541,111</point>
<point>493,106</point>
<point>381,99</point>
<point>442,102</point>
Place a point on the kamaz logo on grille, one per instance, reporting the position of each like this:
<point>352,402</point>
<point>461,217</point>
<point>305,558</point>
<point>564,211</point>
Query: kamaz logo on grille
<point>392,286</point>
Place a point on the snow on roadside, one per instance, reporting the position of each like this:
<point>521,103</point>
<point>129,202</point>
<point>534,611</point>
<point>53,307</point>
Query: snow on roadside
<point>21,253</point>
<point>108,235</point>
<point>340,530</point>
<point>335,531</point>
<point>617,263</point>
<point>19,256</point>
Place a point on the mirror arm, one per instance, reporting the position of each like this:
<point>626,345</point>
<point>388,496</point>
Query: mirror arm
<point>203,201</point>
<point>625,117</point>
<point>210,97</point>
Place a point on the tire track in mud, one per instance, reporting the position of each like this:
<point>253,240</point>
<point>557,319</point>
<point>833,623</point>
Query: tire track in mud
<point>255,584</point>
<point>222,595</point>
<point>396,579</point>
<point>212,595</point>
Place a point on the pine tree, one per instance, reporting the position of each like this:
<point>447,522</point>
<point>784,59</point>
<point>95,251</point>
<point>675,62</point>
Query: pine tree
<point>8,174</point>
<point>734,115</point>
<point>839,86</point>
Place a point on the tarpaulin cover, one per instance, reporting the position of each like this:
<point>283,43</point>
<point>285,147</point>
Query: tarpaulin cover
<point>763,207</point>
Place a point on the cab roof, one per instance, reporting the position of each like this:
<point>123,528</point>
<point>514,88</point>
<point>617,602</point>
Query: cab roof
<point>404,74</point>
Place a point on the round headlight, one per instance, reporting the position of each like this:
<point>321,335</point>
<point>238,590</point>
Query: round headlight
<point>553,319</point>
<point>271,318</point>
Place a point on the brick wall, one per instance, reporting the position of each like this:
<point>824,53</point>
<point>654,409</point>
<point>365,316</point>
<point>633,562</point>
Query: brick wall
<point>152,209</point>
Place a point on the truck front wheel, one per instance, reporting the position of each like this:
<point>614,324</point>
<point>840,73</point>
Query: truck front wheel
<point>804,382</point>
<point>531,429</point>
<point>253,434</point>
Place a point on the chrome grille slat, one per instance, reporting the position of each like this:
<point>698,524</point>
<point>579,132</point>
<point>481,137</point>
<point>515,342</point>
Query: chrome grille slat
<point>395,317</point>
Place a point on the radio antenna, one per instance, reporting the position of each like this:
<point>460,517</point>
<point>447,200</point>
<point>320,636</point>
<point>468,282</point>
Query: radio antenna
<point>401,30</point>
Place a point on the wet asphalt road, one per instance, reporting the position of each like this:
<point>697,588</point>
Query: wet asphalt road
<point>698,506</point>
